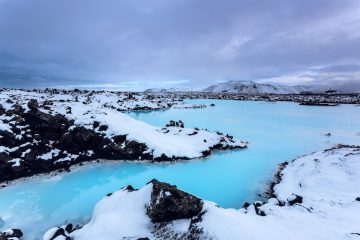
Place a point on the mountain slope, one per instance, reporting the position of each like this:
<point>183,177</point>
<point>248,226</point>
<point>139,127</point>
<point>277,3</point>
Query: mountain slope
<point>166,90</point>
<point>252,87</point>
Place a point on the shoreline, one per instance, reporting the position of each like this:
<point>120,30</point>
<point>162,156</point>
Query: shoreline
<point>202,215</point>
<point>82,165</point>
<point>40,133</point>
<point>259,208</point>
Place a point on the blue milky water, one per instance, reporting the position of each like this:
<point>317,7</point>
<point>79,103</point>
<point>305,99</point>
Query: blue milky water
<point>276,132</point>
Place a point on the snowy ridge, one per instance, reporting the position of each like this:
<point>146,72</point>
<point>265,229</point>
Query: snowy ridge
<point>167,90</point>
<point>249,87</point>
<point>317,197</point>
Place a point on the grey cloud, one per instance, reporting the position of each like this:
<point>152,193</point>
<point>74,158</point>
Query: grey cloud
<point>160,43</point>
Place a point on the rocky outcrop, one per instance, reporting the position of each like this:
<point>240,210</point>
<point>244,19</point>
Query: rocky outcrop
<point>166,204</point>
<point>11,234</point>
<point>62,232</point>
<point>40,142</point>
<point>169,203</point>
<point>295,199</point>
<point>173,123</point>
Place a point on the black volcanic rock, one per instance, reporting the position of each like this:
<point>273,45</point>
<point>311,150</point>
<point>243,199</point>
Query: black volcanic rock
<point>169,203</point>
<point>173,123</point>
<point>48,126</point>
<point>103,128</point>
<point>11,234</point>
<point>296,199</point>
<point>80,139</point>
<point>33,105</point>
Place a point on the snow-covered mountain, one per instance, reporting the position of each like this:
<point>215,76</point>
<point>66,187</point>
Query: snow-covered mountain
<point>166,90</point>
<point>252,87</point>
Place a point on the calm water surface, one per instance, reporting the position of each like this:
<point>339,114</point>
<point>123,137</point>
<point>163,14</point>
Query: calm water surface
<point>277,132</point>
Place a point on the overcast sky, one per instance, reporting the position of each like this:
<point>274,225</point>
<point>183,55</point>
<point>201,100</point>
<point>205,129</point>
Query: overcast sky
<point>136,44</point>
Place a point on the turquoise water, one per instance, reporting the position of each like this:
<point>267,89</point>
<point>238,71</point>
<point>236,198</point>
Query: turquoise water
<point>277,132</point>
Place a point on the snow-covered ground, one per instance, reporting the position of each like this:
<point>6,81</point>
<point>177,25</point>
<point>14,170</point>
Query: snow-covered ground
<point>316,197</point>
<point>61,126</point>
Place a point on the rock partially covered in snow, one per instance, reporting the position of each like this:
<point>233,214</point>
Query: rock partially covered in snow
<point>11,234</point>
<point>173,123</point>
<point>58,233</point>
<point>52,129</point>
<point>33,104</point>
<point>156,211</point>
<point>169,203</point>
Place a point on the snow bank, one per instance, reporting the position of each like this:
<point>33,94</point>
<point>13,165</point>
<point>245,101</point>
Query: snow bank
<point>85,108</point>
<point>326,206</point>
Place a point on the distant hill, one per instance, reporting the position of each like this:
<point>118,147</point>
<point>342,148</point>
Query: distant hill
<point>249,87</point>
<point>166,90</point>
<point>252,87</point>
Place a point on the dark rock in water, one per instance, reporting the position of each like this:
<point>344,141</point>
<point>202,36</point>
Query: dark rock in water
<point>69,228</point>
<point>33,104</point>
<point>173,123</point>
<point>357,199</point>
<point>246,205</point>
<point>212,105</point>
<point>169,203</point>
<point>295,199</point>
<point>130,188</point>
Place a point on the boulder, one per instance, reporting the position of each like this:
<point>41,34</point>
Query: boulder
<point>12,234</point>
<point>49,127</point>
<point>54,233</point>
<point>33,105</point>
<point>169,203</point>
<point>173,123</point>
<point>103,128</point>
<point>294,199</point>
